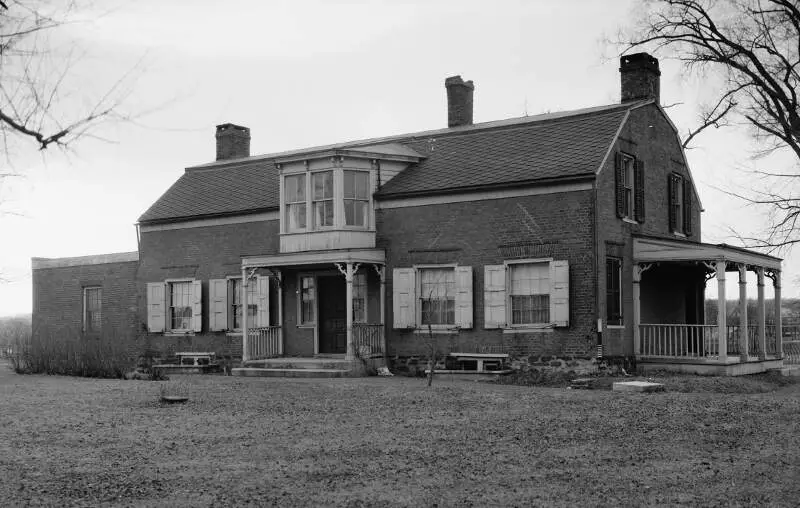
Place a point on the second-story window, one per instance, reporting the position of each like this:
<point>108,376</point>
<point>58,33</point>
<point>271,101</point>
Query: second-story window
<point>322,184</point>
<point>294,189</point>
<point>356,198</point>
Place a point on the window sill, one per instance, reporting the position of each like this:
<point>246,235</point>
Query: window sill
<point>529,329</point>
<point>629,220</point>
<point>307,325</point>
<point>679,235</point>
<point>615,327</point>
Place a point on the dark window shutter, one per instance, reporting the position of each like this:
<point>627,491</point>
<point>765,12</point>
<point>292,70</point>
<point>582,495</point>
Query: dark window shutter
<point>687,207</point>
<point>619,172</point>
<point>638,197</point>
<point>672,200</point>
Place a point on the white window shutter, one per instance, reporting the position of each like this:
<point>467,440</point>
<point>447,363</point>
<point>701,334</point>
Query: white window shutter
<point>262,300</point>
<point>197,306</point>
<point>559,293</point>
<point>156,303</point>
<point>404,298</point>
<point>217,305</point>
<point>464,296</point>
<point>494,296</point>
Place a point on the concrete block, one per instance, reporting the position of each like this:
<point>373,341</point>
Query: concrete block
<point>637,386</point>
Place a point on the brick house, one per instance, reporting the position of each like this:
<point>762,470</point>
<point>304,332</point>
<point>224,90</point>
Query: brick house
<point>541,236</point>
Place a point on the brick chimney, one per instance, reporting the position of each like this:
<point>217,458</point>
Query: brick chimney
<point>639,77</point>
<point>233,141</point>
<point>459,101</point>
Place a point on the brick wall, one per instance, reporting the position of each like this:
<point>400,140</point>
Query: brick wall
<point>58,301</point>
<point>649,137</point>
<point>489,232</point>
<point>202,253</point>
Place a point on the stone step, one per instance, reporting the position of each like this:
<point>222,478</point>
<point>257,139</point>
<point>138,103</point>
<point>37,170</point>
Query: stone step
<point>300,363</point>
<point>637,386</point>
<point>309,372</point>
<point>583,383</point>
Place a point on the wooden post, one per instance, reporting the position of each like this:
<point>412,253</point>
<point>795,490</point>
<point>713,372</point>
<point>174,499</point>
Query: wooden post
<point>348,276</point>
<point>722,316</point>
<point>382,276</point>
<point>280,312</point>
<point>776,281</point>
<point>245,337</point>
<point>744,339</point>
<point>637,278</point>
<point>762,315</point>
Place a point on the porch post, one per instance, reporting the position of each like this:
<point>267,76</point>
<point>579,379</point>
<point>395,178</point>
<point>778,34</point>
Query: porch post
<point>280,312</point>
<point>722,317</point>
<point>744,338</point>
<point>637,278</point>
<point>762,315</point>
<point>382,276</point>
<point>348,276</point>
<point>776,282</point>
<point>245,337</point>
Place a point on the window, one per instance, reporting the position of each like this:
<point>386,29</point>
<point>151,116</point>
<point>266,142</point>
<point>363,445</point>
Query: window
<point>307,300</point>
<point>236,303</point>
<point>322,183</point>
<point>530,293</point>
<point>180,306</point>
<point>613,291</point>
<point>439,297</point>
<point>679,190</point>
<point>92,309</point>
<point>629,187</point>
<point>523,294</point>
<point>356,198</point>
<point>294,190</point>
<point>360,298</point>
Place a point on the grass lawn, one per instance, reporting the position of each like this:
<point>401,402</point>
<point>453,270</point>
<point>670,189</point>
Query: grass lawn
<point>390,442</point>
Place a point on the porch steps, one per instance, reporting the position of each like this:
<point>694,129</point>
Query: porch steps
<point>295,367</point>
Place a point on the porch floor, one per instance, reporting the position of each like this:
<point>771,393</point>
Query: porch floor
<point>708,367</point>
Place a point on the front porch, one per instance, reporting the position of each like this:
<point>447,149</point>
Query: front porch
<point>674,333</point>
<point>329,307</point>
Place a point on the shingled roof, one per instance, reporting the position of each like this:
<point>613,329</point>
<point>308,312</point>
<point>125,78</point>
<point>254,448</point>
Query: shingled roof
<point>518,151</point>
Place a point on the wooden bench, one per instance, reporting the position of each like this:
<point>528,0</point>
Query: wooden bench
<point>195,358</point>
<point>483,360</point>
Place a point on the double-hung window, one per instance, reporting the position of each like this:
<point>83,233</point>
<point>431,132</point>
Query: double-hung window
<point>92,309</point>
<point>308,300</point>
<point>629,176</point>
<point>679,190</point>
<point>356,198</point>
<point>530,293</point>
<point>360,298</point>
<point>322,184</point>
<point>437,296</point>
<point>294,191</point>
<point>180,306</point>
<point>236,316</point>
<point>613,291</point>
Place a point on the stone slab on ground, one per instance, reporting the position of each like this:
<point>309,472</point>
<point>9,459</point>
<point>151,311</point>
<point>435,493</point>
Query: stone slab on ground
<point>637,386</point>
<point>789,371</point>
<point>317,373</point>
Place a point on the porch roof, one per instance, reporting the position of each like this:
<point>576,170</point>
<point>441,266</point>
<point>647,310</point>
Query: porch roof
<point>375,256</point>
<point>651,249</point>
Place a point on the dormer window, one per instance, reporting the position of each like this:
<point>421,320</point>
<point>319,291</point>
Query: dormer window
<point>356,198</point>
<point>295,198</point>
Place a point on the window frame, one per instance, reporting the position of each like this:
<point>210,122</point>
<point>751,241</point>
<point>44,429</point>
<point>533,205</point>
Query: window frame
<point>287,204</point>
<point>629,185</point>
<point>313,201</point>
<point>418,283</point>
<point>356,199</point>
<point>301,322</point>
<point>676,203</point>
<point>168,306</point>
<point>252,292</point>
<point>86,320</point>
<point>618,320</point>
<point>509,309</point>
<point>357,288</point>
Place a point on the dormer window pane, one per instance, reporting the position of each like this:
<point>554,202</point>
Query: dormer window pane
<point>356,197</point>
<point>295,198</point>
<point>323,198</point>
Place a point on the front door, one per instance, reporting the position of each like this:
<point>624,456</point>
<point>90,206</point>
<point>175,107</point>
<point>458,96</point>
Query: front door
<point>332,315</point>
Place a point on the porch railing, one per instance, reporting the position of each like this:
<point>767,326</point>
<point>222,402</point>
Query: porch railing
<point>679,341</point>
<point>264,342</point>
<point>368,340</point>
<point>791,352</point>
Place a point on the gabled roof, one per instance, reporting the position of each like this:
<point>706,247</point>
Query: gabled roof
<point>518,151</point>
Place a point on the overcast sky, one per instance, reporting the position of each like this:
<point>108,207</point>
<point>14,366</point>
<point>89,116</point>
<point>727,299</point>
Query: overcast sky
<point>307,73</point>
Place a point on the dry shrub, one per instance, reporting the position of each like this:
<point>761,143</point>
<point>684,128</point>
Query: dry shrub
<point>70,354</point>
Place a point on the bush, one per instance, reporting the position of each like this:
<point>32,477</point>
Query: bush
<point>538,377</point>
<point>69,354</point>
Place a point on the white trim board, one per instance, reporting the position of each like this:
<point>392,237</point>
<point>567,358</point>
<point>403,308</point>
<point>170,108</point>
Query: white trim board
<point>481,196</point>
<point>97,259</point>
<point>216,221</point>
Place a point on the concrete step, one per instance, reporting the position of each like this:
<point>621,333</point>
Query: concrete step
<point>305,372</point>
<point>300,363</point>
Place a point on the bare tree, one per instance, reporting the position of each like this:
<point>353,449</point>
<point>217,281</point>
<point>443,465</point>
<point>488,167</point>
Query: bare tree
<point>35,101</point>
<point>754,47</point>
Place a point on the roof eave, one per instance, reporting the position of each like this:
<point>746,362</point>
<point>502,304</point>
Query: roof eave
<point>483,187</point>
